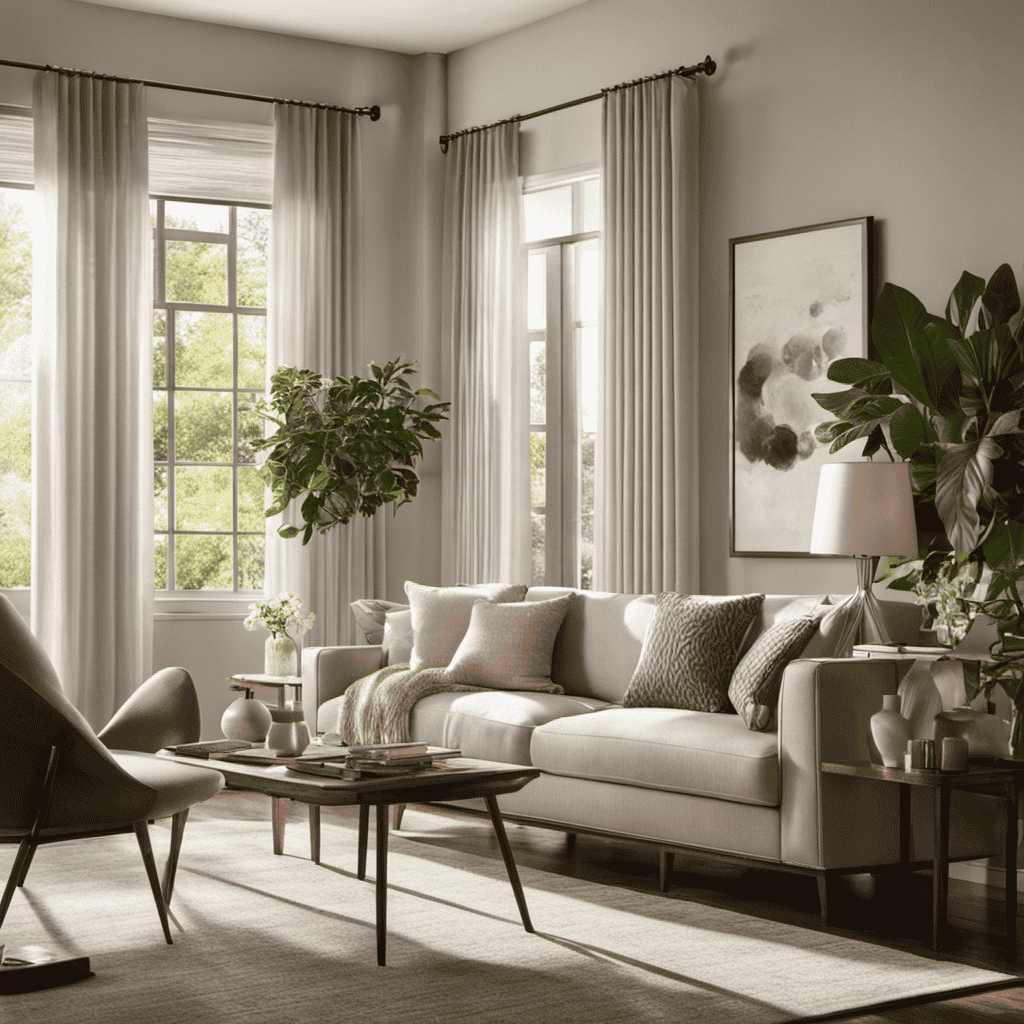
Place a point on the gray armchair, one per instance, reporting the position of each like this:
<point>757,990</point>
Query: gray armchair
<point>61,781</point>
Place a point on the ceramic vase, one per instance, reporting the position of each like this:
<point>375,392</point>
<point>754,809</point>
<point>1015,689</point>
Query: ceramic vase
<point>280,657</point>
<point>288,734</point>
<point>246,719</point>
<point>890,731</point>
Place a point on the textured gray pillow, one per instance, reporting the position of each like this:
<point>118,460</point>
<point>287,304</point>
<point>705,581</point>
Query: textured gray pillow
<point>690,650</point>
<point>440,617</point>
<point>369,613</point>
<point>754,690</point>
<point>509,646</point>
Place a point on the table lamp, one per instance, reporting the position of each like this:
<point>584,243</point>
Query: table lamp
<point>864,509</point>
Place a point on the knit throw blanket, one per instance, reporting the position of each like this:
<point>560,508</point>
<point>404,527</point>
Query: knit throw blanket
<point>376,708</point>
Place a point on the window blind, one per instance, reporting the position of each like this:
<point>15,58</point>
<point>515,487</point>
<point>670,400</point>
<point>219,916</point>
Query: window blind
<point>15,145</point>
<point>233,163</point>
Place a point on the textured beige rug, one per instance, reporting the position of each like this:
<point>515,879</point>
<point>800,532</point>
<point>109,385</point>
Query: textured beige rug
<point>259,938</point>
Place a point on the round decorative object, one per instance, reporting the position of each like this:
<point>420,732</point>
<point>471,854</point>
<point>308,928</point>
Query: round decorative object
<point>986,735</point>
<point>246,719</point>
<point>280,657</point>
<point>288,734</point>
<point>890,731</point>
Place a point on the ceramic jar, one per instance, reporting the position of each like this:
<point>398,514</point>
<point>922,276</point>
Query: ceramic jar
<point>890,731</point>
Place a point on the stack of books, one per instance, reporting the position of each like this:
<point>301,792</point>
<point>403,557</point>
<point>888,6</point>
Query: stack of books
<point>372,761</point>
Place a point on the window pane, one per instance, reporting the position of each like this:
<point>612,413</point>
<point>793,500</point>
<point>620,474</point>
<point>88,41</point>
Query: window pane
<point>250,562</point>
<point>536,292</point>
<point>202,563</point>
<point>160,561</point>
<point>250,500</point>
<point>159,348</point>
<point>587,348</point>
<point>196,272</point>
<point>252,351</point>
<point>547,214</point>
<point>537,524</point>
<point>202,426</point>
<point>589,277</point>
<point>15,283</point>
<point>196,217</point>
<point>250,426</point>
<point>592,204</point>
<point>202,350</point>
<point>202,498</point>
<point>251,257</point>
<point>160,498</point>
<point>587,511</point>
<point>15,484</point>
<point>159,426</point>
<point>538,382</point>
<point>538,447</point>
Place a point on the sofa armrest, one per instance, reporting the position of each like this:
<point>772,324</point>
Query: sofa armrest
<point>825,709</point>
<point>328,671</point>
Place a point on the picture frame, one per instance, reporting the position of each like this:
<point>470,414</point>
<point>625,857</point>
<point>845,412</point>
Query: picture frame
<point>799,298</point>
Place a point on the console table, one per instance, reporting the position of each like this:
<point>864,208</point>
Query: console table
<point>1002,778</point>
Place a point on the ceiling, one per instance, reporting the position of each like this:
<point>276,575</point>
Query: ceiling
<point>408,26</point>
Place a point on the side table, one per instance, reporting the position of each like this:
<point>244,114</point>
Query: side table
<point>1002,778</point>
<point>250,682</point>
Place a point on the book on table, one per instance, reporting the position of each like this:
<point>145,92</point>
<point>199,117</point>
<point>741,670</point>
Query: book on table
<point>357,767</point>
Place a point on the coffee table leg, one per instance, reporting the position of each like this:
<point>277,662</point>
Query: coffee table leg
<point>382,882</point>
<point>364,828</point>
<point>510,864</point>
<point>940,866</point>
<point>314,833</point>
<point>278,816</point>
<point>1011,864</point>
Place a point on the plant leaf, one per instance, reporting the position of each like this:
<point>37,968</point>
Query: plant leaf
<point>836,401</point>
<point>906,428</point>
<point>1005,546</point>
<point>1001,299</point>
<point>856,371</point>
<point>1007,423</point>
<point>964,472</point>
<point>962,300</point>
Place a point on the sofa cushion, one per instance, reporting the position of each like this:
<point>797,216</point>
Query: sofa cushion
<point>692,646</point>
<point>492,725</point>
<point>508,646</point>
<point>663,748</point>
<point>754,689</point>
<point>370,614</point>
<point>440,617</point>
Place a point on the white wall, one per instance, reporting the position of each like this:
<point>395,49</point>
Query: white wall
<point>401,204</point>
<point>911,111</point>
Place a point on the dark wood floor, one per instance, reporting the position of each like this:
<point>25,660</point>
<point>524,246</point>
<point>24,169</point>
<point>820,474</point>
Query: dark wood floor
<point>860,907</point>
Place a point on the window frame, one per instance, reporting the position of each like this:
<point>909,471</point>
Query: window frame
<point>562,429</point>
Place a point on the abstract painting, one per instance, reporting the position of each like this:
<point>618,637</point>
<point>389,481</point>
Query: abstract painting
<point>800,299</point>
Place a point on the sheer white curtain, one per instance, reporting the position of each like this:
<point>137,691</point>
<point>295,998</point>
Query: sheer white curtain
<point>646,533</point>
<point>314,323</point>
<point>92,379</point>
<point>485,470</point>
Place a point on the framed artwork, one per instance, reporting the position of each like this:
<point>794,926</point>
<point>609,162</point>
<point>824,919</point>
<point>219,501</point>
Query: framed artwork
<point>800,298</point>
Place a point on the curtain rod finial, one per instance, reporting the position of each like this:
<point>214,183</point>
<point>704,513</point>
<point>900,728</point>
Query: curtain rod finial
<point>443,139</point>
<point>710,67</point>
<point>375,113</point>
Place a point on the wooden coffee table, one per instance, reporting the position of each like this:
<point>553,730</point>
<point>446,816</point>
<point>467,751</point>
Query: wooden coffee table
<point>465,778</point>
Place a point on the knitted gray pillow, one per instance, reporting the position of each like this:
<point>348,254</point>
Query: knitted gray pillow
<point>754,690</point>
<point>690,650</point>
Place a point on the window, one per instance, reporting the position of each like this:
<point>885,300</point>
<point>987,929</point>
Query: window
<point>209,362</point>
<point>562,244</point>
<point>15,386</point>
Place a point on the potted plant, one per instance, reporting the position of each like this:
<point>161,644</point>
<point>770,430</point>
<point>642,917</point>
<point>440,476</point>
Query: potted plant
<point>946,395</point>
<point>345,446</point>
<point>280,656</point>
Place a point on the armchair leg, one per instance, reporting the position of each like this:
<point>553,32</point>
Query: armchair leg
<point>171,869</point>
<point>396,813</point>
<point>142,834</point>
<point>27,863</point>
<point>17,876</point>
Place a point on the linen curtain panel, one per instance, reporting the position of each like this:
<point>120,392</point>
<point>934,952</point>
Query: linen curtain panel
<point>314,323</point>
<point>646,536</point>
<point>485,462</point>
<point>92,399</point>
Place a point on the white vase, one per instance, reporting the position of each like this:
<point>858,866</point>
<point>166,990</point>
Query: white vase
<point>890,731</point>
<point>920,700</point>
<point>246,719</point>
<point>280,657</point>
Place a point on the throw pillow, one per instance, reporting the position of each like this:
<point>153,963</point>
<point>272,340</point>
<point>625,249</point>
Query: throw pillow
<point>397,640</point>
<point>690,650</point>
<point>509,646</point>
<point>370,613</point>
<point>440,617</point>
<point>754,689</point>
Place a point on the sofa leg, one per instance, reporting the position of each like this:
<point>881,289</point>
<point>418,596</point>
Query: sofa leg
<point>823,897</point>
<point>665,861</point>
<point>570,843</point>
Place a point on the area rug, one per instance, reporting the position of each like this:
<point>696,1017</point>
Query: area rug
<point>278,939</point>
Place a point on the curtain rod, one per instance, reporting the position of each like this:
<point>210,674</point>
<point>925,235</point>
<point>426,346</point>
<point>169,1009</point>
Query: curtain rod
<point>372,112</point>
<point>707,66</point>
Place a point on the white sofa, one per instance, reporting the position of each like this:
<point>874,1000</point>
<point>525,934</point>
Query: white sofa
<point>684,779</point>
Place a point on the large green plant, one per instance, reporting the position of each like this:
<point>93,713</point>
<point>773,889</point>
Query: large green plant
<point>946,395</point>
<point>346,446</point>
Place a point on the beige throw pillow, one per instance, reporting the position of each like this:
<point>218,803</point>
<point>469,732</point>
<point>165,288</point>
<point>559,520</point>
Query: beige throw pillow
<point>690,650</point>
<point>397,640</point>
<point>509,646</point>
<point>440,617</point>
<point>369,614</point>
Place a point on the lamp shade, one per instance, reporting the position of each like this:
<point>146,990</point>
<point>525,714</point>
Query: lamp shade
<point>864,508</point>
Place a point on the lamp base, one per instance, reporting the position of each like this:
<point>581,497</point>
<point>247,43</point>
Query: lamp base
<point>857,619</point>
